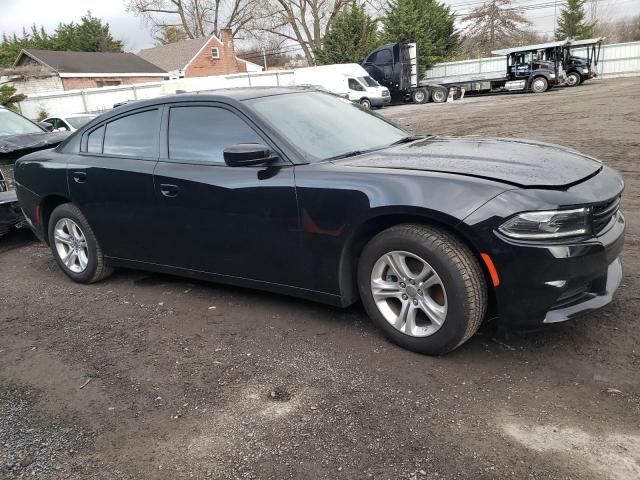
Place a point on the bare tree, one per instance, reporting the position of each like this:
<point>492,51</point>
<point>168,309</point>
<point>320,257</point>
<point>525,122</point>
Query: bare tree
<point>494,24</point>
<point>197,18</point>
<point>301,21</point>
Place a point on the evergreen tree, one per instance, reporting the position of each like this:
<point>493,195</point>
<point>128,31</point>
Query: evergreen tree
<point>351,37</point>
<point>90,35</point>
<point>8,97</point>
<point>572,22</point>
<point>428,23</point>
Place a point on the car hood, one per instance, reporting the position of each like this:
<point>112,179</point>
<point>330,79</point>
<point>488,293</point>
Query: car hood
<point>522,163</point>
<point>18,145</point>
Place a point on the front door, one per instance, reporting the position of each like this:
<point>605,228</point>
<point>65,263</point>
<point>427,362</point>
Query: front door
<point>232,221</point>
<point>111,181</point>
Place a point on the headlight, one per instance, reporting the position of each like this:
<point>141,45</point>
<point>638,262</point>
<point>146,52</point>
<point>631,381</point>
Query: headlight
<point>547,224</point>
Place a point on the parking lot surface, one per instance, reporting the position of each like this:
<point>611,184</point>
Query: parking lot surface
<point>145,376</point>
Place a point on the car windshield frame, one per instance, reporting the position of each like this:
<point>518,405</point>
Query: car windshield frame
<point>29,127</point>
<point>297,125</point>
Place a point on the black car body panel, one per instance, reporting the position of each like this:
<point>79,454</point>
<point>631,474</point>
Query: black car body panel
<point>521,163</point>
<point>297,226</point>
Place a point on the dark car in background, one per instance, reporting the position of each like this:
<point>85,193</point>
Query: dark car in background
<point>303,193</point>
<point>18,136</point>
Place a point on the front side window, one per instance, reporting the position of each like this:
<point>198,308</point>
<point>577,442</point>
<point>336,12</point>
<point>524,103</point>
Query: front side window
<point>355,85</point>
<point>201,133</point>
<point>134,135</point>
<point>384,57</point>
<point>324,126</point>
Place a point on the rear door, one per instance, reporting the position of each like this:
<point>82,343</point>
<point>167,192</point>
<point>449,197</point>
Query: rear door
<point>232,221</point>
<point>111,181</point>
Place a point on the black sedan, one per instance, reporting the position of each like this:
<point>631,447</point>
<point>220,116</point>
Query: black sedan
<point>303,193</point>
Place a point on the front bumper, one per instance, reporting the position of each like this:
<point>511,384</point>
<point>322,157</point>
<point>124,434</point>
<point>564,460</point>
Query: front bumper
<point>550,284</point>
<point>379,101</point>
<point>10,213</point>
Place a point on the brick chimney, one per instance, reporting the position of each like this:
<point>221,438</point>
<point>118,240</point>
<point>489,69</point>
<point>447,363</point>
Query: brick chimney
<point>228,53</point>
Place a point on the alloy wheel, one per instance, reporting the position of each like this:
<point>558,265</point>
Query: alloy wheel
<point>409,293</point>
<point>71,245</point>
<point>539,85</point>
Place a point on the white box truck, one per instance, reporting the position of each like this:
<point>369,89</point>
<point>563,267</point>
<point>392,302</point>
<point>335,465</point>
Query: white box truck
<point>348,80</point>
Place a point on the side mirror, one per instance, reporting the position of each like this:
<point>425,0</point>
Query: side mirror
<point>47,126</point>
<point>247,155</point>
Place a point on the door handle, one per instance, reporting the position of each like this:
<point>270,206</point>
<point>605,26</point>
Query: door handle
<point>79,177</point>
<point>169,190</point>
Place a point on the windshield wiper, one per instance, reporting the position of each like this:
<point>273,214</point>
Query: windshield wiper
<point>407,139</point>
<point>353,153</point>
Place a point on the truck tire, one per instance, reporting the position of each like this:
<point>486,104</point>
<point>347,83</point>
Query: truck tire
<point>420,95</point>
<point>422,287</point>
<point>573,79</point>
<point>539,85</point>
<point>439,95</point>
<point>366,103</point>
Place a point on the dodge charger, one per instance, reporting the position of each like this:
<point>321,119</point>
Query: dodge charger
<point>300,192</point>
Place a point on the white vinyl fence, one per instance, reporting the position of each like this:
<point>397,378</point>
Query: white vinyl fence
<point>96,100</point>
<point>616,60</point>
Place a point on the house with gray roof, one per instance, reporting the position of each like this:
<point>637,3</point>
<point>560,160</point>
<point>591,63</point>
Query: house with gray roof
<point>38,71</point>
<point>199,57</point>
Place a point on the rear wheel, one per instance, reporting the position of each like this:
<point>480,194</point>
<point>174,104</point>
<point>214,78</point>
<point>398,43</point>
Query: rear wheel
<point>439,95</point>
<point>420,95</point>
<point>573,79</point>
<point>366,103</point>
<point>422,287</point>
<point>75,246</point>
<point>539,85</point>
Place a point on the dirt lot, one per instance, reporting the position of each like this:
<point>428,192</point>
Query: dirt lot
<point>194,380</point>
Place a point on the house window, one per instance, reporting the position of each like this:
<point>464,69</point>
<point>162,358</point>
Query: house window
<point>215,53</point>
<point>107,83</point>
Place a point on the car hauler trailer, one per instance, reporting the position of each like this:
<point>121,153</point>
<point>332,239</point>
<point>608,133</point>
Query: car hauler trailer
<point>395,66</point>
<point>527,69</point>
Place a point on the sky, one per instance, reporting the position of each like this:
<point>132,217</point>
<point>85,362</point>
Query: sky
<point>136,35</point>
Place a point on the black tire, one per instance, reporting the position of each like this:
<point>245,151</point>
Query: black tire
<point>420,95</point>
<point>96,267</point>
<point>439,95</point>
<point>539,85</point>
<point>457,267</point>
<point>366,103</point>
<point>573,79</point>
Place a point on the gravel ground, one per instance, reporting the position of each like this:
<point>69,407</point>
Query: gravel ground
<point>156,377</point>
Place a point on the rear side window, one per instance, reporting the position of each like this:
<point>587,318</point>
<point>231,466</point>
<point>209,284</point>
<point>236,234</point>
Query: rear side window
<point>201,133</point>
<point>94,140</point>
<point>134,135</point>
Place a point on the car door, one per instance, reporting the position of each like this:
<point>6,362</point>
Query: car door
<point>233,221</point>
<point>111,181</point>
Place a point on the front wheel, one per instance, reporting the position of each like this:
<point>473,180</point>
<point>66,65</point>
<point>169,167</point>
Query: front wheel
<point>366,103</point>
<point>573,79</point>
<point>75,246</point>
<point>422,287</point>
<point>539,85</point>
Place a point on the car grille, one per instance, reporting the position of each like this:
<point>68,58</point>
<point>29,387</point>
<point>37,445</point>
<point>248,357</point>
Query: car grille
<point>603,213</point>
<point>6,178</point>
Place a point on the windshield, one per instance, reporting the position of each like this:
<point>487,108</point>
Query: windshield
<point>325,126</point>
<point>13,124</point>
<point>370,82</point>
<point>77,122</point>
